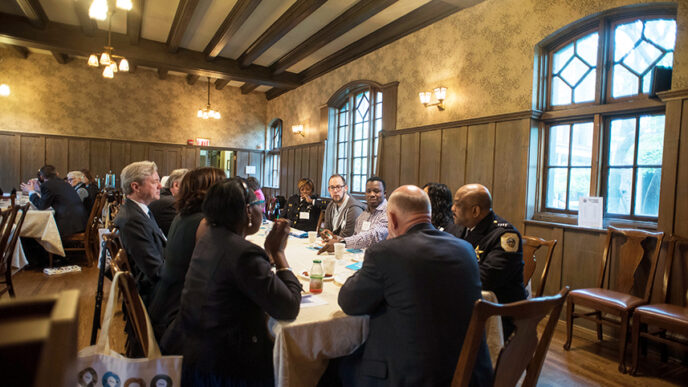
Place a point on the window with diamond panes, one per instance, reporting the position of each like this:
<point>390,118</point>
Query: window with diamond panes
<point>574,71</point>
<point>359,121</point>
<point>272,160</point>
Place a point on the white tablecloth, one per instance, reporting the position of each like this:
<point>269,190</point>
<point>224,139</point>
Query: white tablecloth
<point>304,346</point>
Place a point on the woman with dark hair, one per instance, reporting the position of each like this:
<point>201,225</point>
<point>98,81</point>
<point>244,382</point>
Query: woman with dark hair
<point>441,201</point>
<point>301,210</point>
<point>228,291</point>
<point>187,227</point>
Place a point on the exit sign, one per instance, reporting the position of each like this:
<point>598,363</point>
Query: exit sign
<point>202,141</point>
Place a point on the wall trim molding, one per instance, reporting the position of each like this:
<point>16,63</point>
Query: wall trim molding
<point>530,114</point>
<point>297,146</point>
<point>673,94</point>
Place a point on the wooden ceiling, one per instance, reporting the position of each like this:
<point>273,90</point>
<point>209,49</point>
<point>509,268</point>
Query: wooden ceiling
<point>270,46</point>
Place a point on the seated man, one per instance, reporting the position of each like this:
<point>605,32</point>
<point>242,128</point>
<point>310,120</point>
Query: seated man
<point>371,225</point>
<point>496,242</point>
<point>341,214</point>
<point>419,289</point>
<point>76,179</point>
<point>142,238</point>
<point>163,209</point>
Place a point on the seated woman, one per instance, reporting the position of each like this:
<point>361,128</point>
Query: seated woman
<point>301,209</point>
<point>187,227</point>
<point>228,291</point>
<point>441,201</point>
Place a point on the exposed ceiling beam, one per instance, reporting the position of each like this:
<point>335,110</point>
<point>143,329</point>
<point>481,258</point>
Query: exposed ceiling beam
<point>21,50</point>
<point>191,78</point>
<point>162,73</point>
<point>88,25</point>
<point>274,93</point>
<point>34,11</point>
<point>134,21</point>
<point>236,18</point>
<point>69,40</point>
<point>352,17</point>
<point>60,57</point>
<point>185,11</point>
<point>413,21</point>
<point>300,10</point>
<point>248,87</point>
<point>221,83</point>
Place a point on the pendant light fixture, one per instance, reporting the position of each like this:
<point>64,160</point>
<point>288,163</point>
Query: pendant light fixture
<point>99,11</point>
<point>208,112</point>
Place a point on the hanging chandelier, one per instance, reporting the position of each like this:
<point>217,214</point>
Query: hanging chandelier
<point>99,11</point>
<point>207,111</point>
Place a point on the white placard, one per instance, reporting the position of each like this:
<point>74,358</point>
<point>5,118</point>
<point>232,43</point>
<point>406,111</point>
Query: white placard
<point>590,211</point>
<point>250,169</point>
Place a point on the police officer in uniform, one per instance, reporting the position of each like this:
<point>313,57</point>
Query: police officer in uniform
<point>496,242</point>
<point>303,209</point>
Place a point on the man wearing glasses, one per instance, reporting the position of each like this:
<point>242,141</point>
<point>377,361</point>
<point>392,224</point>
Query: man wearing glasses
<point>342,212</point>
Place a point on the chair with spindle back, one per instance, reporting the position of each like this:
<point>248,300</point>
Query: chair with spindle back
<point>10,230</point>
<point>133,308</point>
<point>84,240</point>
<point>530,246</point>
<point>617,300</point>
<point>523,351</point>
<point>665,317</point>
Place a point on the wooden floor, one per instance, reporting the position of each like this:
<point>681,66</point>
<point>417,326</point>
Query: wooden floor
<point>588,363</point>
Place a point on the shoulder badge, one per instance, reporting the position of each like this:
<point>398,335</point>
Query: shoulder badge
<point>504,224</point>
<point>509,242</point>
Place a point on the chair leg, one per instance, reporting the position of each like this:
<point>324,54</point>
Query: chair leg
<point>599,327</point>
<point>664,352</point>
<point>50,259</point>
<point>623,336</point>
<point>569,323</point>
<point>8,281</point>
<point>635,333</point>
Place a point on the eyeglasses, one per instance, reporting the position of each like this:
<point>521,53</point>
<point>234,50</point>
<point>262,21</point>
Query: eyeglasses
<point>256,202</point>
<point>335,187</point>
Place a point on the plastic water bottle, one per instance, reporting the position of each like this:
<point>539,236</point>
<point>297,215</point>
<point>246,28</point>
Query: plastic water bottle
<point>316,285</point>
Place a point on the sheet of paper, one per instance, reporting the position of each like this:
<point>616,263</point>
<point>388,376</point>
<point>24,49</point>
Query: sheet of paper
<point>308,301</point>
<point>590,211</point>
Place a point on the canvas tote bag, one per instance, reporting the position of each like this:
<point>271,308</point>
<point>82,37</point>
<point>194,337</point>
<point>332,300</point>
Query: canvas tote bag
<point>98,365</point>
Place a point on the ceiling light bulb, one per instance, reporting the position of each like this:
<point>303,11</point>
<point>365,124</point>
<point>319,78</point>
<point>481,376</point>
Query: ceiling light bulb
<point>98,10</point>
<point>200,113</point>
<point>124,4</point>
<point>440,93</point>
<point>107,72</point>
<point>113,66</point>
<point>424,97</point>
<point>105,59</point>
<point>217,115</point>
<point>4,90</point>
<point>205,115</point>
<point>93,60</point>
<point>124,65</point>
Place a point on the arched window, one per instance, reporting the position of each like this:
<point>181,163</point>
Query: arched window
<point>357,122</point>
<point>603,134</point>
<point>272,159</point>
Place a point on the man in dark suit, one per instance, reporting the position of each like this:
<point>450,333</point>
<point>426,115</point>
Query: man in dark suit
<point>143,240</point>
<point>419,288</point>
<point>496,242</point>
<point>163,209</point>
<point>70,213</point>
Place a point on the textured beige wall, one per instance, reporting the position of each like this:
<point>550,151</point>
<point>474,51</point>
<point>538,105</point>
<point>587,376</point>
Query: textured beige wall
<point>484,55</point>
<point>75,100</point>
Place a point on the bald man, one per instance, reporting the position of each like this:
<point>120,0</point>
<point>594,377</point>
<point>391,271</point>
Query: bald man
<point>496,242</point>
<point>418,287</point>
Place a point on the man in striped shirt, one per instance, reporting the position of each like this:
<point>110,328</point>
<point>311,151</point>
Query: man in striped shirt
<point>371,225</point>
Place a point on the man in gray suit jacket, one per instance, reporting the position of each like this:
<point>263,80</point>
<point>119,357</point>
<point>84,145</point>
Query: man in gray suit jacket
<point>342,212</point>
<point>143,240</point>
<point>419,288</point>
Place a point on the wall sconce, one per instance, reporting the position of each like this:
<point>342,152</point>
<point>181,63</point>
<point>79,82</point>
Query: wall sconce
<point>298,129</point>
<point>4,90</point>
<point>440,95</point>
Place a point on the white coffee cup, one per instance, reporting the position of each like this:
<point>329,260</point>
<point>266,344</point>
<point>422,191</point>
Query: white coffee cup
<point>339,250</point>
<point>312,236</point>
<point>328,265</point>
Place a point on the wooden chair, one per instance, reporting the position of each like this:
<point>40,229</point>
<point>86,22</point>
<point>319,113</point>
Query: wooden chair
<point>8,249</point>
<point>523,351</point>
<point>85,239</point>
<point>120,262</point>
<point>530,246</point>
<point>617,300</point>
<point>134,309</point>
<point>665,317</point>
<point>8,218</point>
<point>112,244</point>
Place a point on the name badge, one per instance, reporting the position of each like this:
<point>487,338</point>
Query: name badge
<point>304,215</point>
<point>365,226</point>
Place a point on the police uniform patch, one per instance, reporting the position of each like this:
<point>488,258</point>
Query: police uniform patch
<point>509,242</point>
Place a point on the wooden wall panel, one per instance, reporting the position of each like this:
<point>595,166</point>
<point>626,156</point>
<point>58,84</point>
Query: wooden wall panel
<point>408,167</point>
<point>582,254</point>
<point>241,163</point>
<point>138,152</point>
<point>119,156</point>
<point>79,154</point>
<point>10,171</point>
<point>32,153</point>
<point>681,209</point>
<point>156,154</point>
<point>290,187</point>
<point>320,163</point>
<point>389,163</point>
<point>173,159</point>
<point>57,154</point>
<point>314,157</point>
<point>511,170</point>
<point>100,158</point>
<point>190,157</point>
<point>453,152</point>
<point>480,154</point>
<point>553,284</point>
<point>298,160</point>
<point>430,157</point>
<point>284,167</point>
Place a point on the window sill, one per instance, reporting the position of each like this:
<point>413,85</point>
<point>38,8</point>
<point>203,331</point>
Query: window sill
<point>565,221</point>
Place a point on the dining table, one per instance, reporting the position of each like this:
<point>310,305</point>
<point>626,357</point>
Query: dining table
<point>322,331</point>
